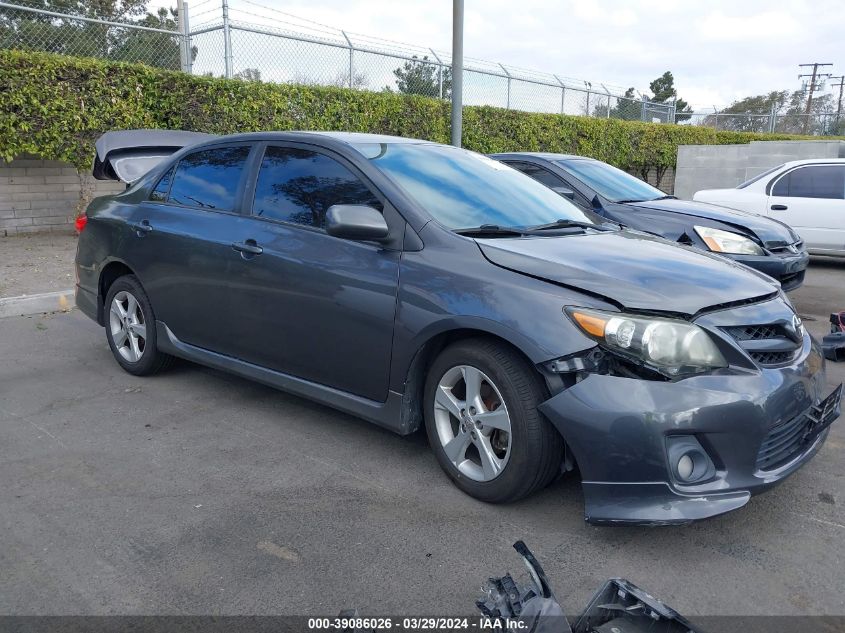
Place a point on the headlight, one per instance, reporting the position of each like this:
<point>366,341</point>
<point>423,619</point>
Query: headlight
<point>720,241</point>
<point>669,346</point>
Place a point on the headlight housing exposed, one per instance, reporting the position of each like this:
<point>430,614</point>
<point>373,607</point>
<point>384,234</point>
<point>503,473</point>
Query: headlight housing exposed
<point>670,346</point>
<point>720,241</point>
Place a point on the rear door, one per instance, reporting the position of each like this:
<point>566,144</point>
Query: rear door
<point>309,304</point>
<point>180,244</point>
<point>811,199</point>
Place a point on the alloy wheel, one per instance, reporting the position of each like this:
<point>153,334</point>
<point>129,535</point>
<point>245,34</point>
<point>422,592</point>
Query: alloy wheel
<point>127,326</point>
<point>472,423</point>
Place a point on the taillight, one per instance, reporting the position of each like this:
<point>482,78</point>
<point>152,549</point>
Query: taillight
<point>80,223</point>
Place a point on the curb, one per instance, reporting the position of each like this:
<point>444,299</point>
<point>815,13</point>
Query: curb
<point>25,305</point>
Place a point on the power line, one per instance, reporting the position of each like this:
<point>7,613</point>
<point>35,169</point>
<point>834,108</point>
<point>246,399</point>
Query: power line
<point>813,76</point>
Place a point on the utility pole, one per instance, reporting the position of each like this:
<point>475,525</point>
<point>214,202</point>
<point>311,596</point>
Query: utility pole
<point>813,76</point>
<point>841,79</point>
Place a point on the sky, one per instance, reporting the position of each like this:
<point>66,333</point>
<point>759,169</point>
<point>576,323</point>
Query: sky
<point>719,51</point>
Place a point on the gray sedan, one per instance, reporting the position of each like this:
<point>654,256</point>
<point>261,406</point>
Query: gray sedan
<point>420,285</point>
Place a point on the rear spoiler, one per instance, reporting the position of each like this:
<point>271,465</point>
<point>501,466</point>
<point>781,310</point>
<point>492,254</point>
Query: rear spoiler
<point>126,155</point>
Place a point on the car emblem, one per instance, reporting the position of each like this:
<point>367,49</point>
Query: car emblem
<point>796,328</point>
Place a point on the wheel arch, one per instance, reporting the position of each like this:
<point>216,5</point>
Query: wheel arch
<point>110,273</point>
<point>428,350</point>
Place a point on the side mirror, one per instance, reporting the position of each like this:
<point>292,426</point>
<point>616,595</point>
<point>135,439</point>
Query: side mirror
<point>597,205</point>
<point>563,191</point>
<point>356,222</point>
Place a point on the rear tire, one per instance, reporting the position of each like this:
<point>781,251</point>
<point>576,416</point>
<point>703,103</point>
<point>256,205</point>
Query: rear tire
<point>130,328</point>
<point>482,422</point>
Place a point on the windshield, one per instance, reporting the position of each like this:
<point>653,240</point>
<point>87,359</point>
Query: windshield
<point>758,177</point>
<point>610,182</point>
<point>462,189</point>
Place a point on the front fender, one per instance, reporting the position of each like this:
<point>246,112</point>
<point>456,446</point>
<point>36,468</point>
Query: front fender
<point>443,290</point>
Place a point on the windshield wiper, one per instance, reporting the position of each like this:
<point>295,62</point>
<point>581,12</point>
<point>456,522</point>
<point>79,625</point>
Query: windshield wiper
<point>648,200</point>
<point>489,230</point>
<point>566,224</point>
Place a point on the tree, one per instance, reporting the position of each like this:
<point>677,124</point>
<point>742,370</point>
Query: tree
<point>422,77</point>
<point>66,36</point>
<point>248,74</point>
<point>628,108</point>
<point>147,47</point>
<point>752,114</point>
<point>360,81</point>
<point>663,91</point>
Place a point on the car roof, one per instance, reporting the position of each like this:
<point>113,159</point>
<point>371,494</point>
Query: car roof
<point>542,155</point>
<point>351,138</point>
<point>813,161</point>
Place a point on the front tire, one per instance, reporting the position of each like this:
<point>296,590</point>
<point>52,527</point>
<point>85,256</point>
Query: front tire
<point>130,328</point>
<point>482,422</point>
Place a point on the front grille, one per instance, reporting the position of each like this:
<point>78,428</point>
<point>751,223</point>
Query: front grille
<point>788,440</point>
<point>772,358</point>
<point>769,345</point>
<point>755,332</point>
<point>787,249</point>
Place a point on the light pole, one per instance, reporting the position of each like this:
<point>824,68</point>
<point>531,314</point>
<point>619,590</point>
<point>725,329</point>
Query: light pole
<point>457,69</point>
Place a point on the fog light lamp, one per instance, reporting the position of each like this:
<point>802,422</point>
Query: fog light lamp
<point>688,461</point>
<point>685,467</point>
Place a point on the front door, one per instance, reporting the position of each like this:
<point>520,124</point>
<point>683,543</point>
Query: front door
<point>309,304</point>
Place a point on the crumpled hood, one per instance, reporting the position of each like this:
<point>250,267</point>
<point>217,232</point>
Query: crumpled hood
<point>634,271</point>
<point>772,232</point>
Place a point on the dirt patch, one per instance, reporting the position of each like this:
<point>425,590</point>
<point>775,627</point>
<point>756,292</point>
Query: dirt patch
<point>32,263</point>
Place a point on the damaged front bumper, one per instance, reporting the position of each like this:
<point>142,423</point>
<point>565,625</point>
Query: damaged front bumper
<point>789,269</point>
<point>748,430</point>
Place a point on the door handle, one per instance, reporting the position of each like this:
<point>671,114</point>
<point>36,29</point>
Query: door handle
<point>142,227</point>
<point>248,248</point>
<point>779,207</point>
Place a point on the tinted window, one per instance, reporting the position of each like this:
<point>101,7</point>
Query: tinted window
<point>462,189</point>
<point>550,180</point>
<point>821,181</point>
<point>299,186</point>
<point>209,179</point>
<point>612,183</point>
<point>159,194</point>
<point>539,174</point>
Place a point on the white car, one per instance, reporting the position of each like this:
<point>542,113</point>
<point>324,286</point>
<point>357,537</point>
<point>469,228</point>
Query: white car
<point>808,195</point>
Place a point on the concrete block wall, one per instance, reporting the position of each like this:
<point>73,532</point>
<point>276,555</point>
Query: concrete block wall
<point>44,195</point>
<point>724,166</point>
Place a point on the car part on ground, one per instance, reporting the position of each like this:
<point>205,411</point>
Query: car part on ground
<point>378,274</point>
<point>833,344</point>
<point>764,244</point>
<point>619,606</point>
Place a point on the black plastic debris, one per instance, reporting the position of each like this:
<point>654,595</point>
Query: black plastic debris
<point>618,607</point>
<point>833,344</point>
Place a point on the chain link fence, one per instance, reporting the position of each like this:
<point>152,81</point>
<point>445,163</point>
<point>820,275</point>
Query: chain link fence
<point>814,124</point>
<point>252,42</point>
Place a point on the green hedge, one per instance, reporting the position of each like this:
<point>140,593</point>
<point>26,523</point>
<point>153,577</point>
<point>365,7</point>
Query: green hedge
<point>55,107</point>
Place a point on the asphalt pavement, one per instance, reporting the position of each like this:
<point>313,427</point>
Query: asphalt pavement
<point>196,492</point>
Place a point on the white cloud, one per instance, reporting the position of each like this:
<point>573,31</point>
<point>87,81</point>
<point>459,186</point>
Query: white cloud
<point>768,25</point>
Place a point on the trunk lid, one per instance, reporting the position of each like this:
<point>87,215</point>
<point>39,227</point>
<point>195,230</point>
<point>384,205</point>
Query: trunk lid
<point>126,155</point>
